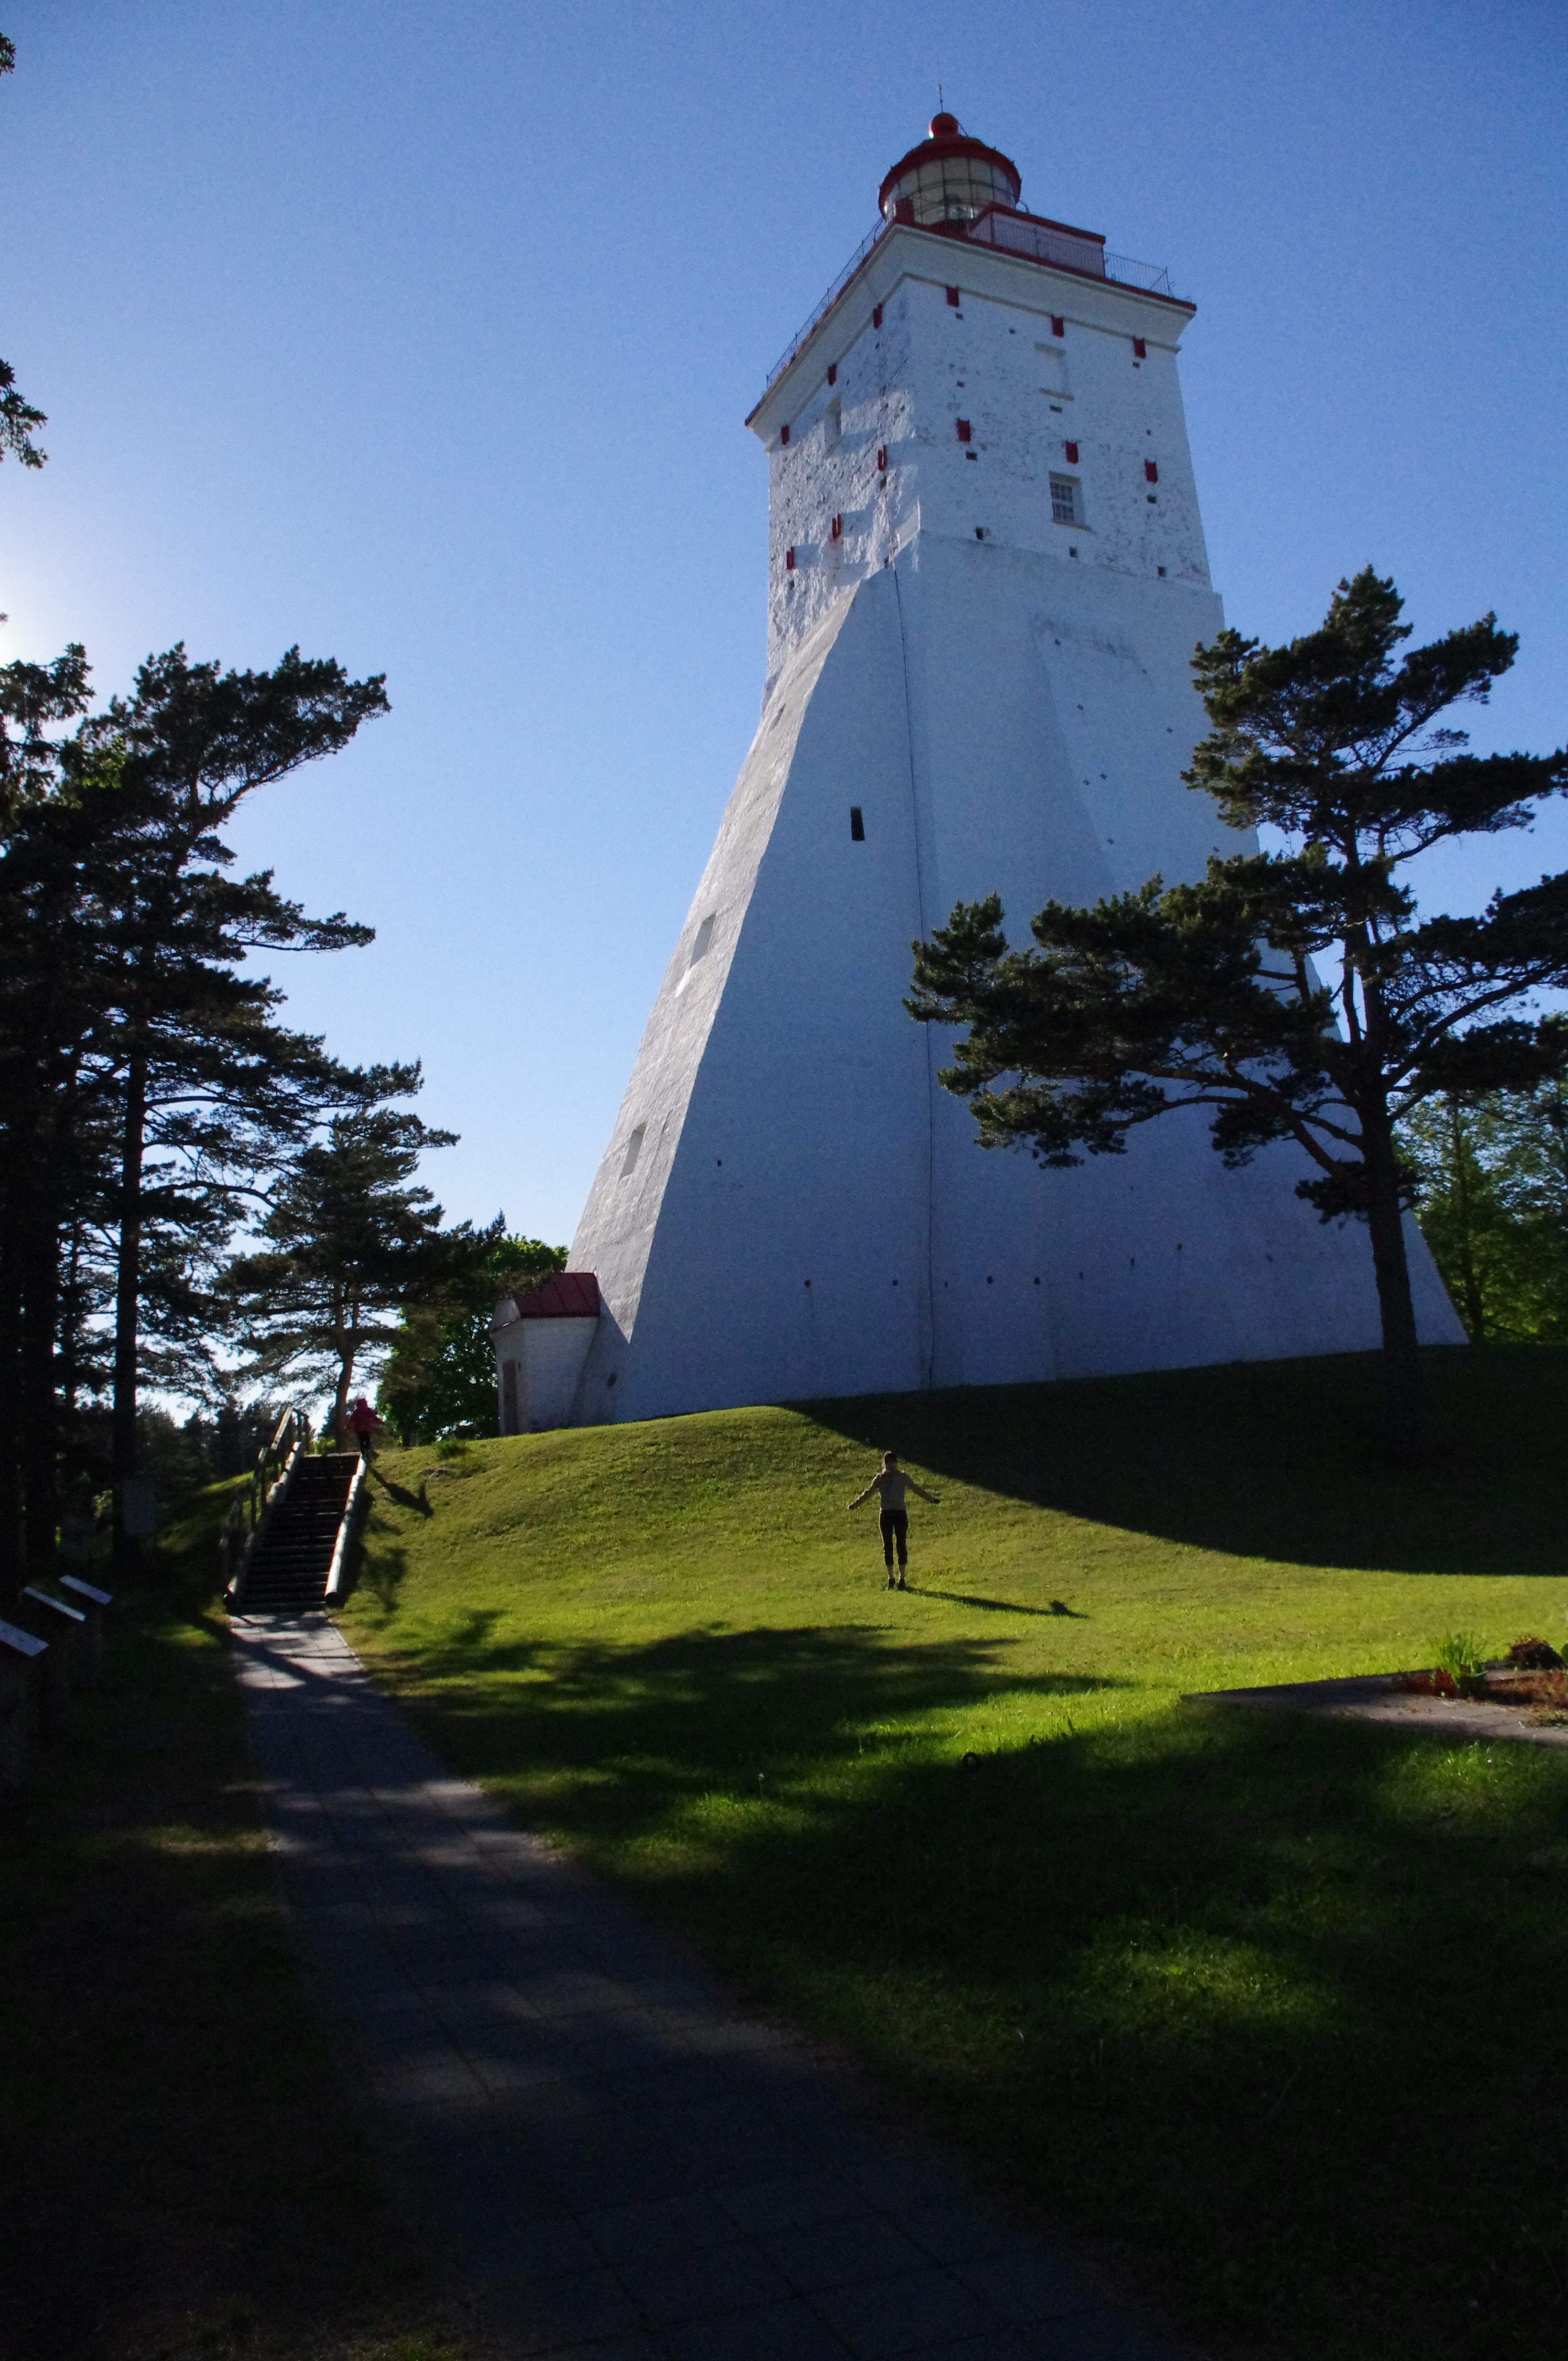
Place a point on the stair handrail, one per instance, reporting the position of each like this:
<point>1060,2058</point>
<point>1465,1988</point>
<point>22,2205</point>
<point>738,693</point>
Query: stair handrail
<point>339,1568</point>
<point>277,1464</point>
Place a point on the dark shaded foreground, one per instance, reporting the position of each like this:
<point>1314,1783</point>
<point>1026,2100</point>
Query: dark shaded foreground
<point>181,2173</point>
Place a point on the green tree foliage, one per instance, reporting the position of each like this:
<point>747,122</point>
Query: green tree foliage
<point>1207,994</point>
<point>441,1376</point>
<point>147,1084</point>
<point>18,420</point>
<point>352,1239</point>
<point>1491,1179</point>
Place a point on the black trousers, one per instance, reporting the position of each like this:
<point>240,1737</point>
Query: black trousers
<point>894,1525</point>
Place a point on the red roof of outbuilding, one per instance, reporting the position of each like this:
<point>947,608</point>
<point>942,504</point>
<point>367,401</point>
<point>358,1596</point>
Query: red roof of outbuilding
<point>570,1295</point>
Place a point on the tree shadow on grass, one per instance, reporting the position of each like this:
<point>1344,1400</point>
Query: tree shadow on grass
<point>621,1734</point>
<point>180,2150</point>
<point>1277,1460</point>
<point>1266,2006</point>
<point>379,1569</point>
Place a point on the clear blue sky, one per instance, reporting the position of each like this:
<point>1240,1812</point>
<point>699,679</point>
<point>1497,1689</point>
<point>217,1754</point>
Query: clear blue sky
<point>424,336</point>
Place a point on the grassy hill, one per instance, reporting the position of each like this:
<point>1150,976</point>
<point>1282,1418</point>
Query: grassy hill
<point>1261,2013</point>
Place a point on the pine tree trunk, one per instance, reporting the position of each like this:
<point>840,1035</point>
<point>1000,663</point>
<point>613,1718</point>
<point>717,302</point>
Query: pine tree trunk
<point>38,1410</point>
<point>346,1342</point>
<point>1474,1306</point>
<point>127,1299</point>
<point>1404,1412</point>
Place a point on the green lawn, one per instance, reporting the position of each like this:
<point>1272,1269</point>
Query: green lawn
<point>180,2177</point>
<point>1266,2016</point>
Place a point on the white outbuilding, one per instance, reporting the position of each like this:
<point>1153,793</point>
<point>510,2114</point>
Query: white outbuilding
<point>987,575</point>
<point>541,1344</point>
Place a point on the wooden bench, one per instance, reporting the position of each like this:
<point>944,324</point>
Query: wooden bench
<point>60,1625</point>
<point>92,1604</point>
<point>19,1652</point>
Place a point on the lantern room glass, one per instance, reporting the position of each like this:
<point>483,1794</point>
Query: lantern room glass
<point>952,188</point>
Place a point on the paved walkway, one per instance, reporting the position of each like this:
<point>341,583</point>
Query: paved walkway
<point>619,2166</point>
<point>1378,1696</point>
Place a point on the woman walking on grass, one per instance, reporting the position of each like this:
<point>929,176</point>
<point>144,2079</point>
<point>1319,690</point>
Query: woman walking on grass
<point>890,1487</point>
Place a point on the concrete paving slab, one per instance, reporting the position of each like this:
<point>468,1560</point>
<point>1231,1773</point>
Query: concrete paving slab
<point>615,2161</point>
<point>880,2320</point>
<point>783,2331</point>
<point>1028,2289</point>
<point>861,2246</point>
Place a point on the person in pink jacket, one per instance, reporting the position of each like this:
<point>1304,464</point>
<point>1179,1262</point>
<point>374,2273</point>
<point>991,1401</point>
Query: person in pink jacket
<point>363,1425</point>
<point>890,1487</point>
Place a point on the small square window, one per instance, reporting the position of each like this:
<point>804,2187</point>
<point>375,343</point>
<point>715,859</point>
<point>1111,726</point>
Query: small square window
<point>1065,508</point>
<point>832,424</point>
<point>1053,369</point>
<point>963,427</point>
<point>1059,327</point>
<point>1151,471</point>
<point>832,372</point>
<point>876,315</point>
<point>633,1151</point>
<point>954,298</point>
<point>857,825</point>
<point>783,432</point>
<point>881,459</point>
<point>1140,350</point>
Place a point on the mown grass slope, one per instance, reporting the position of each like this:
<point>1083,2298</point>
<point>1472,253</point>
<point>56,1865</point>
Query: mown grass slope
<point>1266,2014</point>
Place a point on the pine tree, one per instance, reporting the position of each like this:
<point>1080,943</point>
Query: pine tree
<point>1209,995</point>
<point>147,1084</point>
<point>354,1238</point>
<point>1491,1182</point>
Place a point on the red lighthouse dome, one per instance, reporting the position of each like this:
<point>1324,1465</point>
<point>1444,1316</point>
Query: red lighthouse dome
<point>948,178</point>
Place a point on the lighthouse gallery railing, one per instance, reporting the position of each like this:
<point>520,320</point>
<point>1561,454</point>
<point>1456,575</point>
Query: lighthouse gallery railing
<point>1009,233</point>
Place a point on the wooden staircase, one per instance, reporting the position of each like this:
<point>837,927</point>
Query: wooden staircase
<point>288,1568</point>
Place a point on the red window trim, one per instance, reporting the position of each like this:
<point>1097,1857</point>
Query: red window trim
<point>1151,471</point>
<point>964,430</point>
<point>783,433</point>
<point>832,372</point>
<point>789,559</point>
<point>955,297</point>
<point>1058,324</point>
<point>1140,349</point>
<point>836,531</point>
<point>1071,450</point>
<point>882,458</point>
<point>876,315</point>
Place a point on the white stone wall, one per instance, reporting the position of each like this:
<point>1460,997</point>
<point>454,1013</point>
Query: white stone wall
<point>902,387</point>
<point>547,1358</point>
<point>805,1212</point>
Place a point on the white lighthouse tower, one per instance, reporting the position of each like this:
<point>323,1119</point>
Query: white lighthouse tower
<point>986,580</point>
